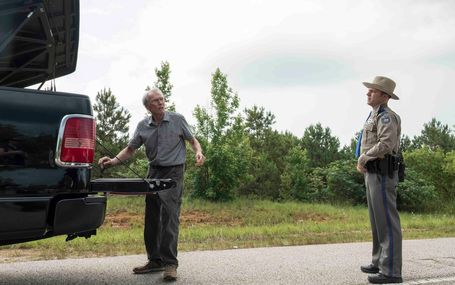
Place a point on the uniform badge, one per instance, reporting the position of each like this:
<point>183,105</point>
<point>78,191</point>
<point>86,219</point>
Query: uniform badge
<point>385,119</point>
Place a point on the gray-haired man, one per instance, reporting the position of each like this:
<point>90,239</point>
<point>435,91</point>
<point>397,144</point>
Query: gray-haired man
<point>379,144</point>
<point>163,134</point>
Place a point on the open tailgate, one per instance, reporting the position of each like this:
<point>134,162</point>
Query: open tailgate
<point>130,186</point>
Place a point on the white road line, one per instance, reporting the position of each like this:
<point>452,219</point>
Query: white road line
<point>430,281</point>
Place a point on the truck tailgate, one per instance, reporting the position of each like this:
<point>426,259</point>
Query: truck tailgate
<point>129,186</point>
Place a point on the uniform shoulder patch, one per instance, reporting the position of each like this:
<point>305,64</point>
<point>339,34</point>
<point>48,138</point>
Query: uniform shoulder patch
<point>385,119</point>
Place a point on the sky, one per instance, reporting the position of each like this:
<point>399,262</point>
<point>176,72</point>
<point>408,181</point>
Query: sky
<point>304,61</point>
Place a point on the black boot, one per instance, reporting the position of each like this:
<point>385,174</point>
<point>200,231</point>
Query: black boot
<point>382,279</point>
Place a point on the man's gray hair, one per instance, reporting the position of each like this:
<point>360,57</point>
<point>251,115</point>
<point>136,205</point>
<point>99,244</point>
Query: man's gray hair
<point>145,98</point>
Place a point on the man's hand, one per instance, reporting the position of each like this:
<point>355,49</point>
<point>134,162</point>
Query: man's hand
<point>361,168</point>
<point>200,159</point>
<point>105,162</point>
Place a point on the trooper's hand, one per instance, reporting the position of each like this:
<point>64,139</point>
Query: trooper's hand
<point>200,159</point>
<point>361,168</point>
<point>105,162</point>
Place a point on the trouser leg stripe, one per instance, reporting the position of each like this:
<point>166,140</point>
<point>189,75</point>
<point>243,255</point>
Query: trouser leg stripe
<point>389,224</point>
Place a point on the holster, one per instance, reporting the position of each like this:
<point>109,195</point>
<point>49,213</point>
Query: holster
<point>401,167</point>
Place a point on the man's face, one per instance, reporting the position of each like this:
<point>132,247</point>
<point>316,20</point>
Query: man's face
<point>376,97</point>
<point>156,104</point>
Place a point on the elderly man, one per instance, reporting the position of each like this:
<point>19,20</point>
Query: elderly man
<point>163,134</point>
<point>378,146</point>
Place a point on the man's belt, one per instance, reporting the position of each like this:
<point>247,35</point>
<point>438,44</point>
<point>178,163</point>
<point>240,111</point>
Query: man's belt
<point>160,167</point>
<point>384,166</point>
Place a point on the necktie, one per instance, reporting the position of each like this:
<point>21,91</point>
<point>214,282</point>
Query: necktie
<point>359,141</point>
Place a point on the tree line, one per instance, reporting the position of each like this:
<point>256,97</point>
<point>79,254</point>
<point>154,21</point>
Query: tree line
<point>247,157</point>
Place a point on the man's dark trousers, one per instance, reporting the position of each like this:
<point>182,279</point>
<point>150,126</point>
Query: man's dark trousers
<point>162,210</point>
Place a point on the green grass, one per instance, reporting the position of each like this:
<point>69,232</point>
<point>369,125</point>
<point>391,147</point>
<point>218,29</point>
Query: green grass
<point>240,224</point>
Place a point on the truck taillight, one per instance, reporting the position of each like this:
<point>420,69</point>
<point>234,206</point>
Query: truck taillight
<point>76,141</point>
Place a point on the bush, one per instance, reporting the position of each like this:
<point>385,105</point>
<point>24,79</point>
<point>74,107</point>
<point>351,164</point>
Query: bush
<point>429,164</point>
<point>344,183</point>
<point>318,185</point>
<point>416,194</point>
<point>265,182</point>
<point>294,180</point>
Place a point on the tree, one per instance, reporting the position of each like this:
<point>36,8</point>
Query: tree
<point>405,143</point>
<point>435,135</point>
<point>227,148</point>
<point>295,181</point>
<point>416,193</point>
<point>321,146</point>
<point>258,123</point>
<point>430,165</point>
<point>347,152</point>
<point>344,183</point>
<point>270,149</point>
<point>449,170</point>
<point>112,122</point>
<point>164,84</point>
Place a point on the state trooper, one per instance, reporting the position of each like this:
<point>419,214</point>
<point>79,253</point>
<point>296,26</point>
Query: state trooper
<point>377,150</point>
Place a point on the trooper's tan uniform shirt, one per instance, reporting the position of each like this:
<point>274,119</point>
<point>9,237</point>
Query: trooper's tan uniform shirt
<point>381,134</point>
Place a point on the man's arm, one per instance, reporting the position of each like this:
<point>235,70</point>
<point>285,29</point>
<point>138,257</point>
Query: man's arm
<point>200,158</point>
<point>123,155</point>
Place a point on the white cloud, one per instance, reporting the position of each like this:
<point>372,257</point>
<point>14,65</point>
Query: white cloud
<point>302,60</point>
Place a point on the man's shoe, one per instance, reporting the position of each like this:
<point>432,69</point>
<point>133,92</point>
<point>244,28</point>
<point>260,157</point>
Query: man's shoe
<point>382,279</point>
<point>151,266</point>
<point>369,269</point>
<point>170,273</point>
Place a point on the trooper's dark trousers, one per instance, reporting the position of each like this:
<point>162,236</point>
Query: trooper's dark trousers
<point>385,222</point>
<point>162,211</point>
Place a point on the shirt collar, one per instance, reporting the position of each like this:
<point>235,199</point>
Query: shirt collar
<point>377,108</point>
<point>165,118</point>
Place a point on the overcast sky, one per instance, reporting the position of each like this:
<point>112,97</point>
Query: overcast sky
<point>303,60</point>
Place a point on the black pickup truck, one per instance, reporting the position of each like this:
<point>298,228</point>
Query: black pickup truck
<point>48,138</point>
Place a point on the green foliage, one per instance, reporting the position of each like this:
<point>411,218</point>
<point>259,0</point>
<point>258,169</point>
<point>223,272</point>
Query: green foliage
<point>416,194</point>
<point>322,147</point>
<point>111,119</point>
<point>344,183</point>
<point>258,124</point>
<point>294,180</point>
<point>138,167</point>
<point>405,144</point>
<point>318,184</point>
<point>348,151</point>
<point>222,136</point>
<point>269,151</point>
<point>449,172</point>
<point>265,178</point>
<point>164,84</point>
<point>277,146</point>
<point>269,164</point>
<point>112,122</point>
<point>435,135</point>
<point>430,165</point>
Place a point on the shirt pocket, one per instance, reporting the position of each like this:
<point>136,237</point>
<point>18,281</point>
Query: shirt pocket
<point>370,133</point>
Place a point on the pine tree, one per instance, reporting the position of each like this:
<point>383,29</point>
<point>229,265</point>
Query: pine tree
<point>112,122</point>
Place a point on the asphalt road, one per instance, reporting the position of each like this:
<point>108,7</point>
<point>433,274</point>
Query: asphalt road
<point>424,262</point>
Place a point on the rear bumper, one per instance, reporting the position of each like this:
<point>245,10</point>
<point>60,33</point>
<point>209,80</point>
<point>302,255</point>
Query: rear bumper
<point>31,218</point>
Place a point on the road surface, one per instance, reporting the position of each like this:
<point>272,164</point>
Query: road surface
<point>429,261</point>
